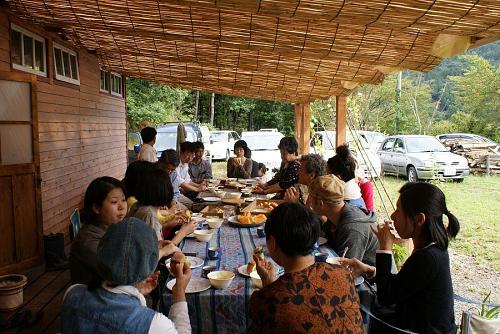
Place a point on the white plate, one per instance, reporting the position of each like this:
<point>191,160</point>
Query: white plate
<point>260,210</point>
<point>322,241</point>
<point>211,199</point>
<point>243,270</point>
<point>249,199</point>
<point>196,284</point>
<point>195,262</point>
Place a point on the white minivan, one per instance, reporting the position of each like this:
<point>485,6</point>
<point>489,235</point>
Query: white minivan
<point>222,144</point>
<point>264,146</point>
<point>323,143</point>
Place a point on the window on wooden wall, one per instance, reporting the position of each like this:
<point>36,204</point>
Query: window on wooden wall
<point>104,82</point>
<point>28,51</point>
<point>116,84</point>
<point>66,64</point>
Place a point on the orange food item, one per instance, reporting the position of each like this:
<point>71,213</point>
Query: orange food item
<point>260,218</point>
<point>245,219</point>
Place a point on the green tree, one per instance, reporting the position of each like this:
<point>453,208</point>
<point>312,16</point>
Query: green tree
<point>148,102</point>
<point>478,97</point>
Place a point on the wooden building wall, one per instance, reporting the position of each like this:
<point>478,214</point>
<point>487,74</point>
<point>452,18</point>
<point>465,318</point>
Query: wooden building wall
<point>82,131</point>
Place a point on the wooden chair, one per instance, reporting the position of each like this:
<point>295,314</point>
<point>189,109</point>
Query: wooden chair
<point>75,224</point>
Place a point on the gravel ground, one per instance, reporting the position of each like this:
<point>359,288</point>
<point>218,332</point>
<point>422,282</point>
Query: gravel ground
<point>472,280</point>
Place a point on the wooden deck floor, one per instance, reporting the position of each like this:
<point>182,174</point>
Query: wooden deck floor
<point>44,292</point>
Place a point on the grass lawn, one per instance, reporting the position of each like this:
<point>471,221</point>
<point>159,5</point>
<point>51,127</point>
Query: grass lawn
<point>475,202</point>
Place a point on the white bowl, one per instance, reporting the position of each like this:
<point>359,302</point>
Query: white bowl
<point>233,195</point>
<point>214,222</point>
<point>203,235</point>
<point>231,179</point>
<point>256,280</point>
<point>220,279</point>
<point>220,193</point>
<point>334,260</point>
<point>196,214</point>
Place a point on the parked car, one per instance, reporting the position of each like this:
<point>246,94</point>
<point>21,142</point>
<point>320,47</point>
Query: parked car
<point>222,144</point>
<point>420,157</point>
<point>166,138</point>
<point>374,139</point>
<point>269,130</point>
<point>264,146</point>
<point>323,143</point>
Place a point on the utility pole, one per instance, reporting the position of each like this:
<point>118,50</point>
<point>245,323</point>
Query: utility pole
<point>196,104</point>
<point>398,102</point>
<point>212,109</point>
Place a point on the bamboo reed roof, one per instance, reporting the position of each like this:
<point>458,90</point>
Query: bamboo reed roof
<point>291,50</point>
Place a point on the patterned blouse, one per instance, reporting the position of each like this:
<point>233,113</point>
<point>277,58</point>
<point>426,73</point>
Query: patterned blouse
<point>319,299</point>
<point>286,177</point>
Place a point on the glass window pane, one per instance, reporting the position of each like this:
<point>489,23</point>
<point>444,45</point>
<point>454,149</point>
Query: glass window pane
<point>28,51</point>
<point>67,70</point>
<point>74,68</point>
<point>15,101</point>
<point>59,66</point>
<point>16,144</point>
<point>39,59</point>
<point>119,85</point>
<point>16,47</point>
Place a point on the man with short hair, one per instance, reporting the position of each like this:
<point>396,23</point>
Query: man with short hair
<point>348,227</point>
<point>187,186</point>
<point>169,160</point>
<point>199,168</point>
<point>148,152</point>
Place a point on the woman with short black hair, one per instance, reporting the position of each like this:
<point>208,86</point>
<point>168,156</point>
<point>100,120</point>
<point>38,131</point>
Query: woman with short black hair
<point>239,166</point>
<point>288,174</point>
<point>316,296</point>
<point>422,291</point>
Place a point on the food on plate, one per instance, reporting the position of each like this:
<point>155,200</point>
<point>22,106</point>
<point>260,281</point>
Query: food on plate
<point>269,205</point>
<point>250,266</point>
<point>178,259</point>
<point>259,251</point>
<point>248,218</point>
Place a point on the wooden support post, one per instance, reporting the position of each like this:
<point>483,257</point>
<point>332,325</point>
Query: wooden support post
<point>340,121</point>
<point>303,126</point>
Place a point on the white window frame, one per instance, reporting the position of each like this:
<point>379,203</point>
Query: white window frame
<point>35,38</point>
<point>111,74</point>
<point>71,53</point>
<point>108,78</point>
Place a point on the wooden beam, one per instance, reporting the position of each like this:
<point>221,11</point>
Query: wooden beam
<point>303,126</point>
<point>340,121</point>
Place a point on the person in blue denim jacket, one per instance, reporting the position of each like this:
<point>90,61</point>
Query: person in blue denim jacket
<point>127,257</point>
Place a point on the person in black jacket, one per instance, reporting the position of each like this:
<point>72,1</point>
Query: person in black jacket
<point>422,291</point>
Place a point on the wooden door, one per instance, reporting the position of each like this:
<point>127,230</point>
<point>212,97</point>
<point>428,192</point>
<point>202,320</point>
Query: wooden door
<point>20,202</point>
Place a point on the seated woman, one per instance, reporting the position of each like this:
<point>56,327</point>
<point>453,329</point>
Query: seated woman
<point>310,297</point>
<point>155,191</point>
<point>239,167</point>
<point>133,176</point>
<point>311,166</point>
<point>343,166</point>
<point>422,291</point>
<point>288,175</point>
<point>117,305</point>
<point>104,204</point>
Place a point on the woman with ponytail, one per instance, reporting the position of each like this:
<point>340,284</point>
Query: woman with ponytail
<point>343,165</point>
<point>422,291</point>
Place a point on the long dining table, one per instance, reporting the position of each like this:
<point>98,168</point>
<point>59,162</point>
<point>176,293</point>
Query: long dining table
<point>226,310</point>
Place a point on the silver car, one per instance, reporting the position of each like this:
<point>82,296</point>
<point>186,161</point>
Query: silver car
<point>421,158</point>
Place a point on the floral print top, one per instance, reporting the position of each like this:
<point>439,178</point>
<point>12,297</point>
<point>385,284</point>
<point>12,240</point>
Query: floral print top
<point>319,299</point>
<point>286,177</point>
